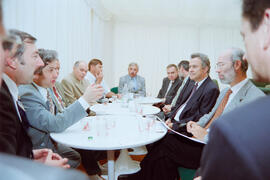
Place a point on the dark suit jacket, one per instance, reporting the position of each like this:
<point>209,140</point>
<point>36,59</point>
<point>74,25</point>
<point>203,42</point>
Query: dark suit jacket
<point>13,137</point>
<point>238,146</point>
<point>172,92</point>
<point>202,101</point>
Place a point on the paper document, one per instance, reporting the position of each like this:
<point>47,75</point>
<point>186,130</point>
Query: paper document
<point>193,139</point>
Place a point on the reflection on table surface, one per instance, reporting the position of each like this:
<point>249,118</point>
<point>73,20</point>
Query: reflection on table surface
<point>130,108</point>
<point>112,132</point>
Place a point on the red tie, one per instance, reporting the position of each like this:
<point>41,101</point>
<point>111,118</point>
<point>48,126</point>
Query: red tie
<point>58,97</point>
<point>220,108</point>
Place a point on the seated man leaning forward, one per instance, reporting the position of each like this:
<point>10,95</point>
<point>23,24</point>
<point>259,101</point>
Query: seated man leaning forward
<point>174,150</point>
<point>21,59</point>
<point>74,84</point>
<point>95,76</point>
<point>45,118</point>
<point>134,82</point>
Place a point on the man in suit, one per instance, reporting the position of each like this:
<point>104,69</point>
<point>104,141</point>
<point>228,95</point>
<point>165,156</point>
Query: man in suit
<point>241,136</point>
<point>21,60</point>
<point>133,82</point>
<point>198,95</point>
<point>95,76</point>
<point>172,151</point>
<point>231,69</point>
<point>183,67</point>
<point>74,84</point>
<point>170,84</point>
<point>57,89</point>
<point>44,117</point>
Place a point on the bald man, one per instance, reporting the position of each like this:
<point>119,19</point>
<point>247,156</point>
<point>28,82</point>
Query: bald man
<point>75,84</point>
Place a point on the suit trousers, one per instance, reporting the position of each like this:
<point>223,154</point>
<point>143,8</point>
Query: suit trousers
<point>88,158</point>
<point>74,158</point>
<point>166,155</point>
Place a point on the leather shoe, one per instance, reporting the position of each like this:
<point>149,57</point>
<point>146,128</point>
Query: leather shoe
<point>129,177</point>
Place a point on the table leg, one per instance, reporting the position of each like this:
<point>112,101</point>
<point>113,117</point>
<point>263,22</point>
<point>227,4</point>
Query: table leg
<point>125,165</point>
<point>110,157</point>
<point>141,150</point>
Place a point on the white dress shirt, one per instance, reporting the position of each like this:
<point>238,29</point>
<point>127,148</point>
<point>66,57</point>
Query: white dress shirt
<point>168,89</point>
<point>92,79</point>
<point>235,90</point>
<point>43,92</point>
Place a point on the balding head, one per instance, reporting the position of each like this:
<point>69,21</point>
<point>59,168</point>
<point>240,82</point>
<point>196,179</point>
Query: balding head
<point>80,70</point>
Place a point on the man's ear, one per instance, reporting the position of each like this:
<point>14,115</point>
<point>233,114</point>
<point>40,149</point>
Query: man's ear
<point>266,29</point>
<point>237,65</point>
<point>10,62</point>
<point>35,78</point>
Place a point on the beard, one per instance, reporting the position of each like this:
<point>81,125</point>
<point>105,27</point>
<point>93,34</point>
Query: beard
<point>228,77</point>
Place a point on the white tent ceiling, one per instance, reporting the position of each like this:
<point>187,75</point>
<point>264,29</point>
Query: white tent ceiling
<point>196,12</point>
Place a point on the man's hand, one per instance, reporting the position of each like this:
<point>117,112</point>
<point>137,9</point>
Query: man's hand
<point>47,157</point>
<point>198,178</point>
<point>92,93</point>
<point>167,108</point>
<point>197,131</point>
<point>169,123</point>
<point>99,77</point>
<point>54,159</point>
<point>40,154</point>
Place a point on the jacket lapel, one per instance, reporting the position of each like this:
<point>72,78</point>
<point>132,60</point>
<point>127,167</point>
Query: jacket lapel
<point>196,95</point>
<point>239,97</point>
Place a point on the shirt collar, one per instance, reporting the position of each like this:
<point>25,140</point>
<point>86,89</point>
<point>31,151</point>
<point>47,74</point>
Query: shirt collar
<point>135,77</point>
<point>12,87</point>
<point>92,75</point>
<point>200,83</point>
<point>43,91</point>
<point>238,86</point>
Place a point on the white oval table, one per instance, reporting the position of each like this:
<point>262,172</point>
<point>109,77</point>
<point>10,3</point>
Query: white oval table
<point>111,132</point>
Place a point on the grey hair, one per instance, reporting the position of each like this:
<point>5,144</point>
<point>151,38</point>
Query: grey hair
<point>237,55</point>
<point>47,56</point>
<point>184,64</point>
<point>133,64</point>
<point>77,63</point>
<point>204,59</point>
<point>20,38</point>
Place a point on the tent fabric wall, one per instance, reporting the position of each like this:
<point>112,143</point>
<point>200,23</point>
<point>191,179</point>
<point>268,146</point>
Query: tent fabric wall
<point>83,29</point>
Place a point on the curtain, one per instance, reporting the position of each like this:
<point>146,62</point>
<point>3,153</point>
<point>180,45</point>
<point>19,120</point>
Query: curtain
<point>154,46</point>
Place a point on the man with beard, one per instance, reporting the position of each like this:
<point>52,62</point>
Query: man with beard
<point>239,145</point>
<point>163,159</point>
<point>231,69</point>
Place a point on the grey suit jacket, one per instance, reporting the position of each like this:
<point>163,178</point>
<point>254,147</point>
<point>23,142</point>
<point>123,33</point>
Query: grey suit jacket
<point>140,84</point>
<point>42,120</point>
<point>14,168</point>
<point>246,94</point>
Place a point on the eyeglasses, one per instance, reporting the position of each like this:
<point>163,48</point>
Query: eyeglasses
<point>220,65</point>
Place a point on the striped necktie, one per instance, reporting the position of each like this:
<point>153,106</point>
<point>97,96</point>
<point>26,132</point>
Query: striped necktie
<point>220,108</point>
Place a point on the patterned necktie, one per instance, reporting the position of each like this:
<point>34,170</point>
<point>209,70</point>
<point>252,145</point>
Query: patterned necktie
<point>51,104</point>
<point>25,122</point>
<point>58,97</point>
<point>220,108</point>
